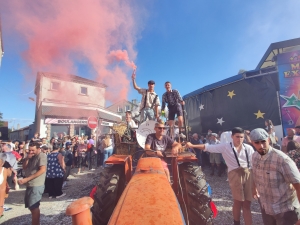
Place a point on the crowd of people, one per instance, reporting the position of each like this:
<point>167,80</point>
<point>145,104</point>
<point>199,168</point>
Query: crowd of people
<point>44,165</point>
<point>257,166</point>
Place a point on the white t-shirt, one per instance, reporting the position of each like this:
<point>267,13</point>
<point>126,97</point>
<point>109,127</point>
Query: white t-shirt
<point>228,154</point>
<point>132,124</point>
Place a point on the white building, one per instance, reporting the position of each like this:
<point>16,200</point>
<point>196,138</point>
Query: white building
<point>64,104</point>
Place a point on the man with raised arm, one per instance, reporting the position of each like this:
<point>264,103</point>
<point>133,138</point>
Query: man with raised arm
<point>174,101</point>
<point>150,100</point>
<point>159,143</point>
<point>238,158</point>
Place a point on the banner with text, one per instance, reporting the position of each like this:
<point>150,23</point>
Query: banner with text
<point>74,121</point>
<point>289,81</point>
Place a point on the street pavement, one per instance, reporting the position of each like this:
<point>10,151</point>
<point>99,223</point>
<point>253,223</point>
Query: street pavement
<point>53,210</point>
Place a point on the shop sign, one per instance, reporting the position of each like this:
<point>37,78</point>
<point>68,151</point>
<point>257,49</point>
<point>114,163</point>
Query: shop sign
<point>65,121</point>
<point>108,124</point>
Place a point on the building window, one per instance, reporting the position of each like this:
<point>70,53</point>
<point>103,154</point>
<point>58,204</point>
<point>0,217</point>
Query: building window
<point>120,109</point>
<point>127,108</point>
<point>83,90</point>
<point>55,86</point>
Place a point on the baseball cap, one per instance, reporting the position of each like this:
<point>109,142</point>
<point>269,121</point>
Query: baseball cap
<point>258,134</point>
<point>151,82</point>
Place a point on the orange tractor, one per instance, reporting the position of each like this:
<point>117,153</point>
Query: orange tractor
<point>146,196</point>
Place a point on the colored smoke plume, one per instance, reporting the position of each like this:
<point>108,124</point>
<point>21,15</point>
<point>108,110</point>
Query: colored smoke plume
<point>59,34</point>
<point>121,55</point>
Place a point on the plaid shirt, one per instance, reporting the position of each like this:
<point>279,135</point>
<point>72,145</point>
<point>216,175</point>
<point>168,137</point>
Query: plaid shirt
<point>273,175</point>
<point>172,98</point>
<point>149,99</point>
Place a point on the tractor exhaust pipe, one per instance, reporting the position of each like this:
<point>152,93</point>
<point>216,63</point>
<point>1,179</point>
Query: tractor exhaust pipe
<point>80,211</point>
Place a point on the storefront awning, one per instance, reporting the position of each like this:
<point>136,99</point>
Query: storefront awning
<point>79,113</point>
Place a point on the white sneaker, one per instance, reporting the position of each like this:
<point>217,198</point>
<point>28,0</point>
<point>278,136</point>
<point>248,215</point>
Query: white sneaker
<point>92,169</point>
<point>62,195</point>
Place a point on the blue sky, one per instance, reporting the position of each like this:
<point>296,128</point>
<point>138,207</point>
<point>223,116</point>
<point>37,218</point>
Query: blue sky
<point>190,43</point>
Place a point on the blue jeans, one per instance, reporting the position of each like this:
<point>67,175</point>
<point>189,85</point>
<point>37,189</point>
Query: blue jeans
<point>199,156</point>
<point>147,113</point>
<point>106,153</point>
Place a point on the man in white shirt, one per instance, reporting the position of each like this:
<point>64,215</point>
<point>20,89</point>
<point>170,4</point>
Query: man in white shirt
<point>238,158</point>
<point>130,121</point>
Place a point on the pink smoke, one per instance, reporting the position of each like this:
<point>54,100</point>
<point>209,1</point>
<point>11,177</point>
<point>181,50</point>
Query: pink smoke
<point>122,55</point>
<point>61,33</point>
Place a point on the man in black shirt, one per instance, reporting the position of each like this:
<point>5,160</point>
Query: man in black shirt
<point>159,143</point>
<point>174,100</point>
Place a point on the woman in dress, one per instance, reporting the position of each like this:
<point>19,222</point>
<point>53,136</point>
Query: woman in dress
<point>55,173</point>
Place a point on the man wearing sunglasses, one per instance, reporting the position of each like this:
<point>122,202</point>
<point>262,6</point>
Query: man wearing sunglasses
<point>150,100</point>
<point>238,158</point>
<point>276,182</point>
<point>159,143</point>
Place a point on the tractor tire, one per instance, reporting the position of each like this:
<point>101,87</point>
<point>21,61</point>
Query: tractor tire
<point>109,190</point>
<point>196,209</point>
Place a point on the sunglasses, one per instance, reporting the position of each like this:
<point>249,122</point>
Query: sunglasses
<point>260,142</point>
<point>161,128</point>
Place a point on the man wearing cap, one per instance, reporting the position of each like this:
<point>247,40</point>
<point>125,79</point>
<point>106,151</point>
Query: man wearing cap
<point>150,100</point>
<point>174,101</point>
<point>276,182</point>
<point>238,157</point>
<point>13,165</point>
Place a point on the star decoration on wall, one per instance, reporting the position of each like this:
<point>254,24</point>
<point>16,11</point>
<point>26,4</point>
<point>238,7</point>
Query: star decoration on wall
<point>259,114</point>
<point>220,121</point>
<point>291,101</point>
<point>231,94</point>
<point>201,107</point>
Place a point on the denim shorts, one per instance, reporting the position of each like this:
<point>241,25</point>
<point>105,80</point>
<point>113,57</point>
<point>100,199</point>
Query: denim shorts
<point>33,196</point>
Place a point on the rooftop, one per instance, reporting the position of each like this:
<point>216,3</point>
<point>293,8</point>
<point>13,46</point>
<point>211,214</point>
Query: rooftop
<point>269,58</point>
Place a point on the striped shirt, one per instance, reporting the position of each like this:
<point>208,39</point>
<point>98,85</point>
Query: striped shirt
<point>273,175</point>
<point>172,98</point>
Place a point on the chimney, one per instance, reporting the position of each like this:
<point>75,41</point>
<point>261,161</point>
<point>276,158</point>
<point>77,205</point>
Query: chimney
<point>134,101</point>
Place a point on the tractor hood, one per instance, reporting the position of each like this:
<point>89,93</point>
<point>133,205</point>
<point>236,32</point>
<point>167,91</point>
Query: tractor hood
<point>148,198</point>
